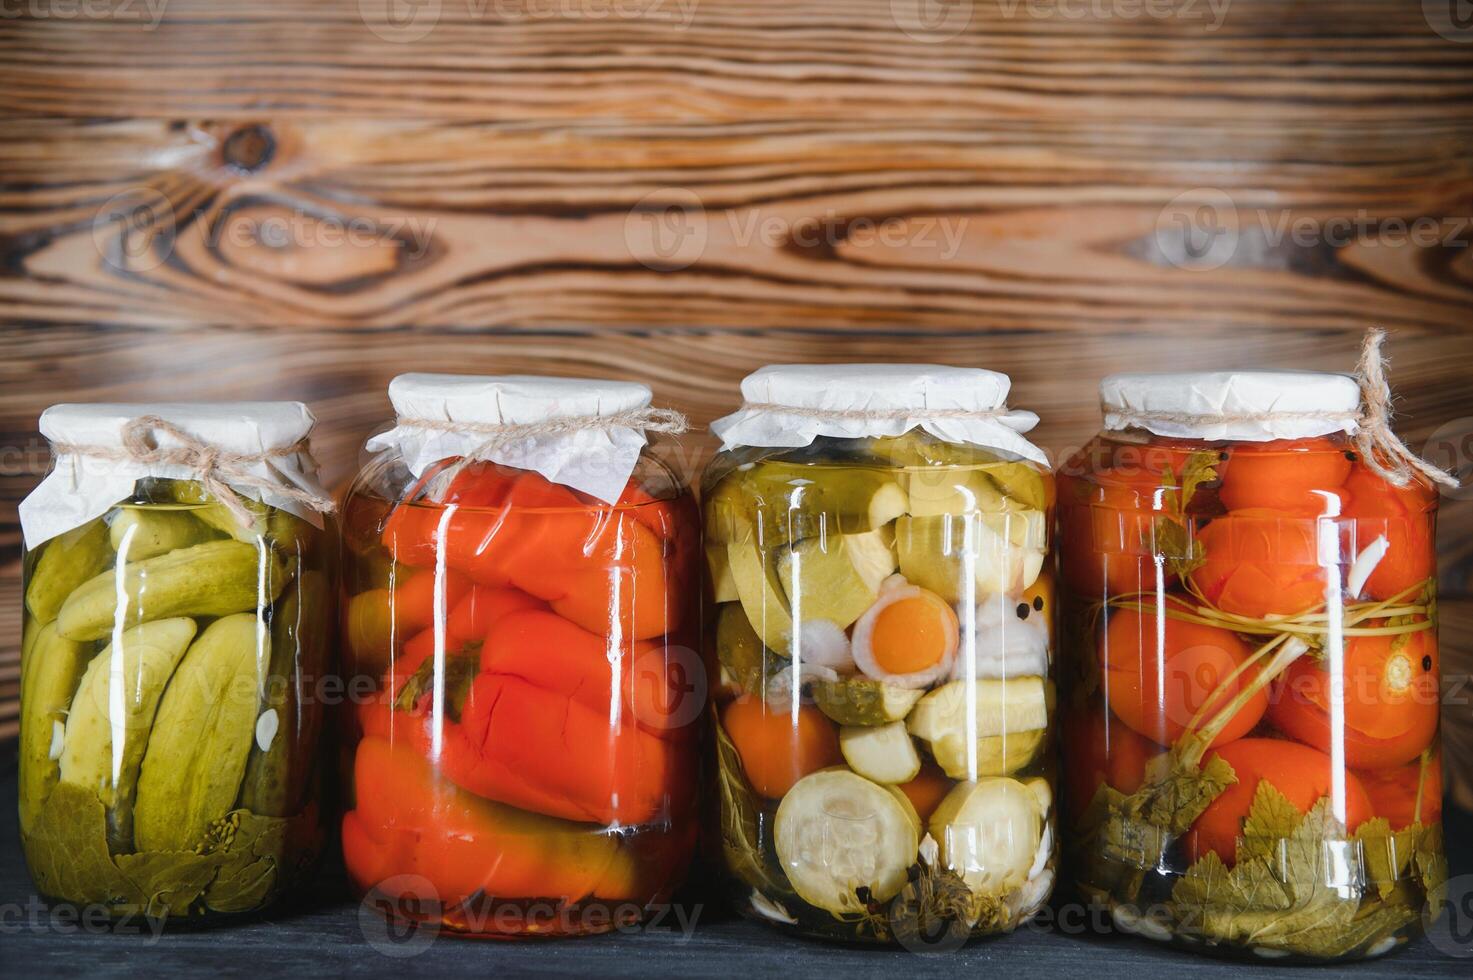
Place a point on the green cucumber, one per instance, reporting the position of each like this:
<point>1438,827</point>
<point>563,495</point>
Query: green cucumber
<point>65,562</point>
<point>216,578</point>
<point>135,671</point>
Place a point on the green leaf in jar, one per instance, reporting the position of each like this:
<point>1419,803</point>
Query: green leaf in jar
<point>1141,826</point>
<point>1284,892</point>
<point>258,856</point>
<point>1172,538</point>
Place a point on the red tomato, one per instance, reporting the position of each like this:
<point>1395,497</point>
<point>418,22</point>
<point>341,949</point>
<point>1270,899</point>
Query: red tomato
<point>1296,476</point>
<point>1302,774</point>
<point>1390,700</point>
<point>1106,520</point>
<point>1404,516</point>
<point>1158,676</point>
<point>1261,563</point>
<point>1101,750</point>
<point>1393,792</point>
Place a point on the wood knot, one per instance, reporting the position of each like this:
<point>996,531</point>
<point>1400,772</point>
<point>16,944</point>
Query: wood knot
<point>249,148</point>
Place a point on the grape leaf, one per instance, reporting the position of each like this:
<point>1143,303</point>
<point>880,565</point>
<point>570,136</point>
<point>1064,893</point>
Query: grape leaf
<point>1297,885</point>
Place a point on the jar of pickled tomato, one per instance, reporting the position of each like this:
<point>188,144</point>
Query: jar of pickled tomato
<point>880,608</point>
<point>1248,610</point>
<point>521,582</point>
<point>177,637</point>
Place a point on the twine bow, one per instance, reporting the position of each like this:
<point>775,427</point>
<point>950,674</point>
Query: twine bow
<point>218,472</point>
<point>1386,455</point>
<point>501,434</point>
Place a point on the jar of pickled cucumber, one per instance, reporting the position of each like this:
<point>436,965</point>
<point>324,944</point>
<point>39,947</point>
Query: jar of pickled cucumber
<point>1251,667</point>
<point>880,608</point>
<point>176,640</point>
<point>520,598</point>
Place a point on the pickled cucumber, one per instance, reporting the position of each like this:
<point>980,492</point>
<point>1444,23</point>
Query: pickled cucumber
<point>1001,553</point>
<point>761,595</point>
<point>740,652</point>
<point>151,531</point>
<point>276,776</point>
<point>1008,725</point>
<point>883,753</point>
<point>989,832</point>
<point>66,561</point>
<point>284,530</point>
<point>50,673</point>
<point>211,579</point>
<point>778,501</point>
<point>201,737</point>
<point>837,833</point>
<point>134,671</point>
<point>863,701</point>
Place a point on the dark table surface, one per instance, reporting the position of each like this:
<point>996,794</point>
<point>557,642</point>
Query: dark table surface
<point>331,936</point>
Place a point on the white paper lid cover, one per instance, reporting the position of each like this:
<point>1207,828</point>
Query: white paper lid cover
<point>955,404</point>
<point>596,460</point>
<point>81,488</point>
<point>1254,406</point>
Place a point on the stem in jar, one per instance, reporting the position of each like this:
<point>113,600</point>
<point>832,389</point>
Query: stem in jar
<point>1232,678</point>
<point>1194,746</point>
<point>1306,624</point>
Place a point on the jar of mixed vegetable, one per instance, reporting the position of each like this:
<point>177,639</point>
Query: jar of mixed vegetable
<point>520,586</point>
<point>1249,619</point>
<point>176,637</point>
<point>880,608</point>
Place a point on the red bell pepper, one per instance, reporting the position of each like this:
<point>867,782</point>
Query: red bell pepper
<point>410,821</point>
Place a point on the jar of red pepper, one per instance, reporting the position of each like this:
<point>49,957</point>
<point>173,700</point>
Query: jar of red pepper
<point>519,572</point>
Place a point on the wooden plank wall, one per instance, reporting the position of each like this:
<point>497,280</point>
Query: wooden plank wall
<point>276,198</point>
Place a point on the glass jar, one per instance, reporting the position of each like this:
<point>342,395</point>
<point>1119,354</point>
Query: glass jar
<point>524,763</point>
<point>1249,620</point>
<point>169,680</point>
<point>881,612</point>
